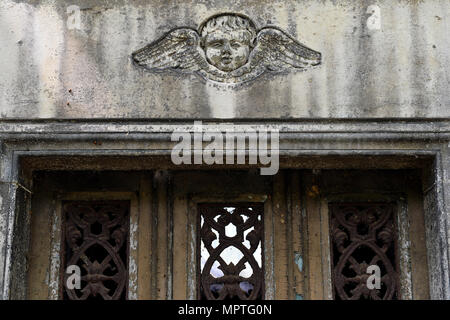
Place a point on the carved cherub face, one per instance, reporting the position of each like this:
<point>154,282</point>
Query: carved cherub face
<point>227,42</point>
<point>227,51</point>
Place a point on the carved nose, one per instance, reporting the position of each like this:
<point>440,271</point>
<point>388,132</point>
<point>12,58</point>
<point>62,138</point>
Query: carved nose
<point>226,49</point>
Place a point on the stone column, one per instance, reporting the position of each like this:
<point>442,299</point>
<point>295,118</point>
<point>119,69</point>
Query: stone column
<point>437,204</point>
<point>6,213</point>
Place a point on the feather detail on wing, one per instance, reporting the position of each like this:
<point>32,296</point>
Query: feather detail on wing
<point>177,50</point>
<point>277,51</point>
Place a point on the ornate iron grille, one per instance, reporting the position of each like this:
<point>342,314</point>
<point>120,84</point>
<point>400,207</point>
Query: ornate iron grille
<point>363,234</point>
<point>96,240</point>
<point>230,251</point>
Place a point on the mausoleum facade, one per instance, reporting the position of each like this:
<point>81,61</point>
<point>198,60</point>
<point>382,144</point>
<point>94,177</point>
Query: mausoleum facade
<point>224,149</point>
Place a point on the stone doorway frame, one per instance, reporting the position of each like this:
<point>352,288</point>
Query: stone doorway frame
<point>311,144</point>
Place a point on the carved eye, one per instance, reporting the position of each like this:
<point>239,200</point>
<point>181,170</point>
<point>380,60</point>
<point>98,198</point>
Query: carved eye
<point>235,45</point>
<point>216,45</point>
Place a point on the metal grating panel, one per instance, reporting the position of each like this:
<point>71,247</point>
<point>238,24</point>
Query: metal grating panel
<point>363,234</point>
<point>96,240</point>
<point>230,251</point>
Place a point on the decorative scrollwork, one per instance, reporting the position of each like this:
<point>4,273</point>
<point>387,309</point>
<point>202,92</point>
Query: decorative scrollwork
<point>96,239</point>
<point>363,234</point>
<point>231,251</point>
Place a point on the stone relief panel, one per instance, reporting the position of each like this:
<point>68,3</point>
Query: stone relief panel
<point>227,48</point>
<point>72,59</point>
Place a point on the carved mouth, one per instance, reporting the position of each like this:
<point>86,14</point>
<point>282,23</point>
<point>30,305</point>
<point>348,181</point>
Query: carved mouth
<point>226,60</point>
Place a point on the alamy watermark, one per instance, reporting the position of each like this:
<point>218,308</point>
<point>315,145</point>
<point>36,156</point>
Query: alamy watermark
<point>74,279</point>
<point>73,17</point>
<point>230,145</point>
<point>374,280</point>
<point>374,20</point>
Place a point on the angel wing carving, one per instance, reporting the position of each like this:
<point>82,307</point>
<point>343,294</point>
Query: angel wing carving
<point>277,52</point>
<point>222,53</point>
<point>178,50</point>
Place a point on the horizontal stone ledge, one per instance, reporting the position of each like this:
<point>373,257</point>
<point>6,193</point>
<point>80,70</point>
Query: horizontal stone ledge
<point>42,126</point>
<point>282,152</point>
<point>440,137</point>
<point>319,159</point>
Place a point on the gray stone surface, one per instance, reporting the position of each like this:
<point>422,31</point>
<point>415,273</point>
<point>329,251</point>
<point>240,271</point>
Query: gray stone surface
<point>400,70</point>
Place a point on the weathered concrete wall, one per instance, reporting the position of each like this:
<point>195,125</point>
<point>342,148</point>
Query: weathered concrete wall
<point>49,71</point>
<point>401,69</point>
